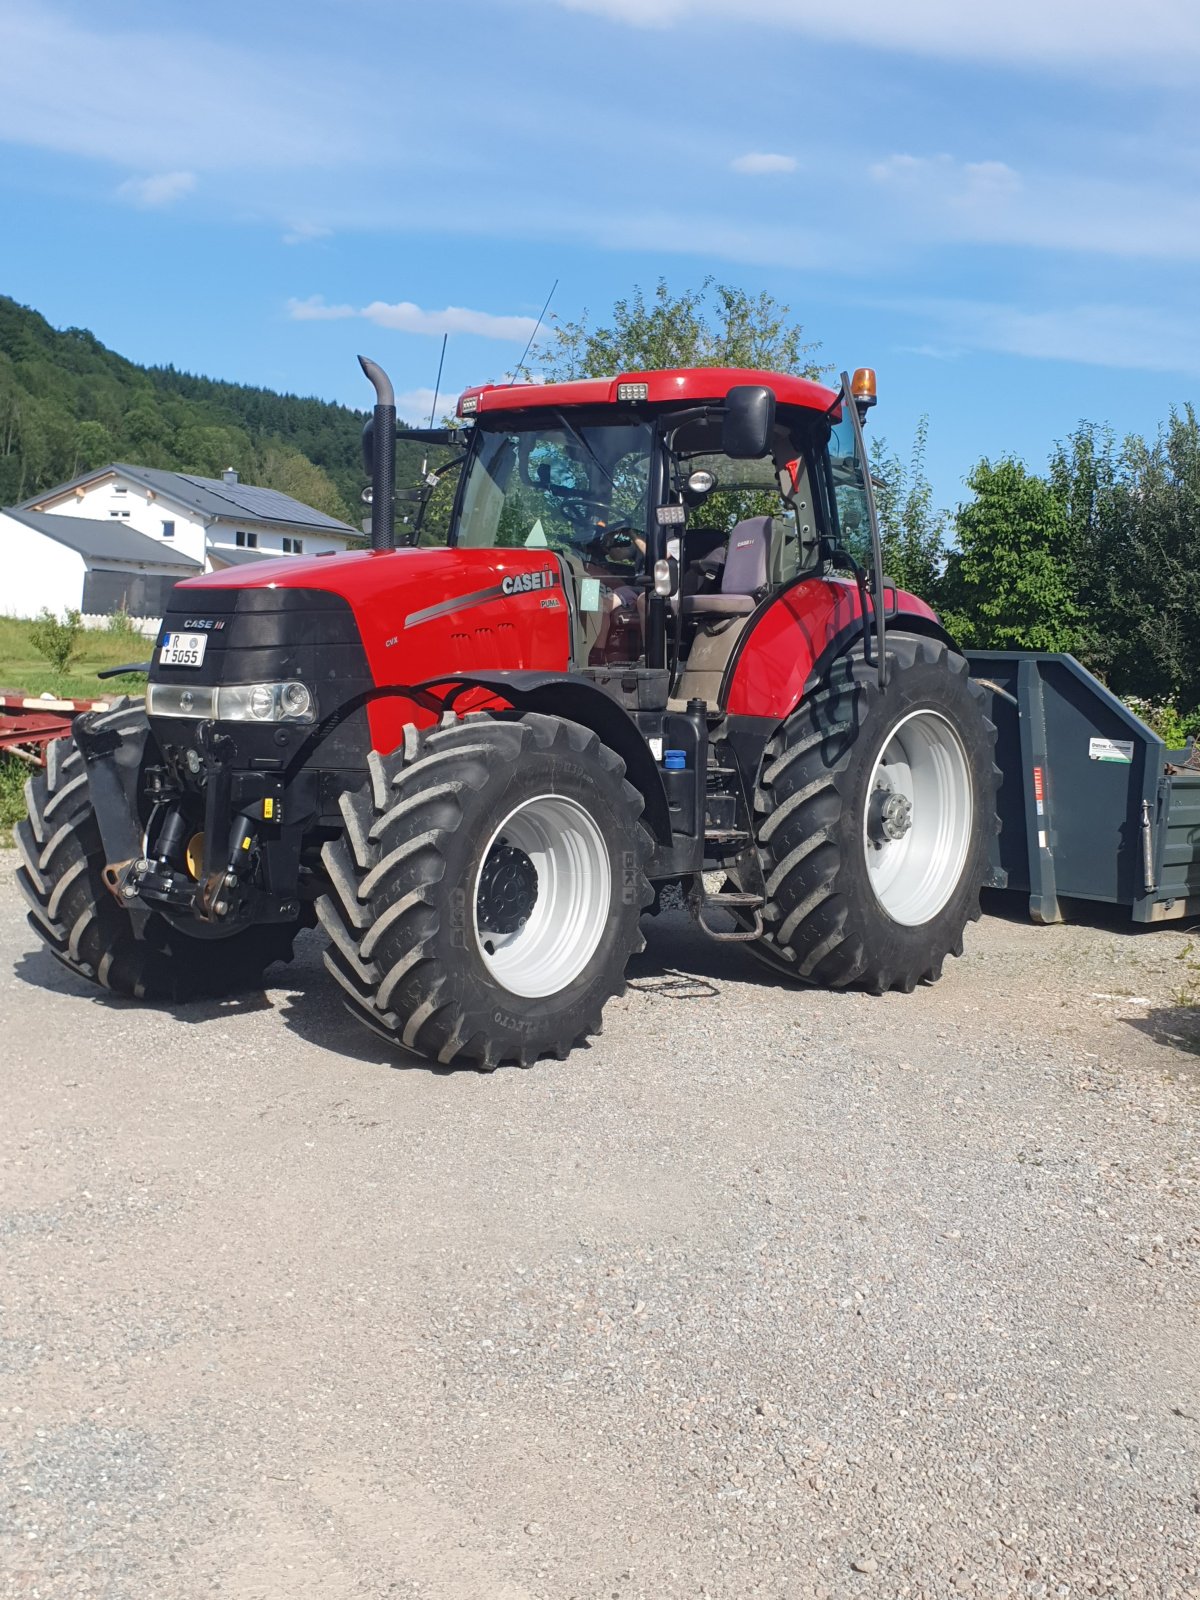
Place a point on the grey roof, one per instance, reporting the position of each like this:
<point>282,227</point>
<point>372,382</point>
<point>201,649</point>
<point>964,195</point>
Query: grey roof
<point>211,497</point>
<point>103,539</point>
<point>239,557</point>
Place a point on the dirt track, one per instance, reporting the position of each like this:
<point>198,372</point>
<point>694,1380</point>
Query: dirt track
<point>767,1293</point>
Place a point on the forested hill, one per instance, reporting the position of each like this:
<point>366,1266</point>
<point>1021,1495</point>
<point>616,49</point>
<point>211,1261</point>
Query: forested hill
<point>68,404</point>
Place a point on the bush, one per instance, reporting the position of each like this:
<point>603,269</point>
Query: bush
<point>1173,727</point>
<point>57,641</point>
<point>13,773</point>
<point>120,622</point>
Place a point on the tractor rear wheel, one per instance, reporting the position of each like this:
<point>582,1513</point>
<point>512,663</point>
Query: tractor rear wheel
<point>877,809</point>
<point>486,890</point>
<point>61,874</point>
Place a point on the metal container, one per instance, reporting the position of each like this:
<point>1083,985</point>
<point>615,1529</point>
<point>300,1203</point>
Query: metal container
<point>1092,804</point>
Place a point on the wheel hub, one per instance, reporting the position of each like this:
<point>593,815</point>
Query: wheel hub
<point>508,889</point>
<point>890,816</point>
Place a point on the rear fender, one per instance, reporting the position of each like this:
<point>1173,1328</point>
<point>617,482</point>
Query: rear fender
<point>793,638</point>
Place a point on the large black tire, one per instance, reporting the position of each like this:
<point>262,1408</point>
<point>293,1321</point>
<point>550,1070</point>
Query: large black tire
<point>824,919</point>
<point>405,879</point>
<point>70,907</point>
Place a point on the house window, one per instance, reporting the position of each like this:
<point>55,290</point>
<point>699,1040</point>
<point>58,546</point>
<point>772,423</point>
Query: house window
<point>120,491</point>
<point>168,530</point>
<point>245,541</point>
<point>118,514</point>
<point>293,547</point>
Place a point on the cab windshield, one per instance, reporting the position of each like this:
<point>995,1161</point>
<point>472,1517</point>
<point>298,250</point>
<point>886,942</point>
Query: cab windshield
<point>567,481</point>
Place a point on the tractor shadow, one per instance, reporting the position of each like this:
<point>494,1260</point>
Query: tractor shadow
<point>679,964</point>
<point>41,971</point>
<point>310,1006</point>
<point>302,993</point>
<point>682,963</point>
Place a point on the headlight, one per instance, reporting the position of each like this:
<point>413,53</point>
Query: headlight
<point>238,702</point>
<point>266,702</point>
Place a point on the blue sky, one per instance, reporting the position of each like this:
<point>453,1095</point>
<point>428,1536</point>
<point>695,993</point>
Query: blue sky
<point>997,206</point>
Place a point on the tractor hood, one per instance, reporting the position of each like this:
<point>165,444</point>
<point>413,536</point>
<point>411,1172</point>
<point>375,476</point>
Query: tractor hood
<point>419,615</point>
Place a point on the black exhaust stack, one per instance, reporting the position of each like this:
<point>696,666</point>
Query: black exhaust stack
<point>383,457</point>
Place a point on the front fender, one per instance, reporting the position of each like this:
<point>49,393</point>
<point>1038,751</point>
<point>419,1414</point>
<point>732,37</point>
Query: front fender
<point>577,699</point>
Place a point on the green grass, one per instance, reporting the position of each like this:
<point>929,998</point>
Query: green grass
<point>12,795</point>
<point>24,671</point>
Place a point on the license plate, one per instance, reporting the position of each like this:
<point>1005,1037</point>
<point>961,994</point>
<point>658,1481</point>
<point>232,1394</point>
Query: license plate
<point>182,649</point>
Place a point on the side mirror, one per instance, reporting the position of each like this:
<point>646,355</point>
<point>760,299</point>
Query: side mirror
<point>749,419</point>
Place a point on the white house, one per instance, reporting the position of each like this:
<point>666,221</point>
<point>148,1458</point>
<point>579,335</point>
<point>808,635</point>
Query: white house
<point>174,524</point>
<point>83,564</point>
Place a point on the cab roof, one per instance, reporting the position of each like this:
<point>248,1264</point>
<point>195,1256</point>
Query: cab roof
<point>686,385</point>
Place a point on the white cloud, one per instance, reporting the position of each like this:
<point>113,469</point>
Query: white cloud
<point>193,103</point>
<point>957,182</point>
<point>757,162</point>
<point>405,317</point>
<point>928,200</point>
<point>415,405</point>
<point>1137,338</point>
<point>160,189</point>
<point>1157,39</point>
<point>314,309</point>
<point>307,233</point>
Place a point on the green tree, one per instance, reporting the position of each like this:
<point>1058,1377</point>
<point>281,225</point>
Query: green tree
<point>145,433</point>
<point>1152,577</point>
<point>207,450</point>
<point>1008,585</point>
<point>93,446</point>
<point>294,474</point>
<point>1133,521</point>
<point>57,641</point>
<point>716,325</point>
<point>912,530</point>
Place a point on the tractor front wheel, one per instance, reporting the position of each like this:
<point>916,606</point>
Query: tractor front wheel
<point>876,809</point>
<point>486,890</point>
<point>60,871</point>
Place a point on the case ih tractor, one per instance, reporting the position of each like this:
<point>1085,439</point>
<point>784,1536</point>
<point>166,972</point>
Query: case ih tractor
<point>653,646</point>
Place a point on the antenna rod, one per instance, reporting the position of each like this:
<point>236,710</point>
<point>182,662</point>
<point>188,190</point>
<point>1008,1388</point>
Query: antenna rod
<point>437,388</point>
<point>533,335</point>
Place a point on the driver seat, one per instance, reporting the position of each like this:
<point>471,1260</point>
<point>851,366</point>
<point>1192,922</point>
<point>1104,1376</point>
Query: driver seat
<point>745,577</point>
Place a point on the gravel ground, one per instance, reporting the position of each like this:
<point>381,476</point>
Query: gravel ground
<point>768,1293</point>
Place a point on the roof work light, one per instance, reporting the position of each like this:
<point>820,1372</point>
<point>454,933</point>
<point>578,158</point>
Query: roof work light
<point>862,387</point>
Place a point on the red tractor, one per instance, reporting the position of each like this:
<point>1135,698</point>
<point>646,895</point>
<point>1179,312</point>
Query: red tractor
<point>654,646</point>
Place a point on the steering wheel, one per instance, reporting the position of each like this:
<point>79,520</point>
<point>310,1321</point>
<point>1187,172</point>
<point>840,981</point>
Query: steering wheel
<point>580,508</point>
<point>609,541</point>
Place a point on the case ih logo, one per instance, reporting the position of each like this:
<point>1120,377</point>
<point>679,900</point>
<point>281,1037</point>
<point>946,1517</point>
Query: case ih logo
<point>202,622</point>
<point>523,582</point>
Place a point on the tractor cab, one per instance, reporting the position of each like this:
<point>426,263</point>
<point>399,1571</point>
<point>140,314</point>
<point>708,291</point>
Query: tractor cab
<point>676,505</point>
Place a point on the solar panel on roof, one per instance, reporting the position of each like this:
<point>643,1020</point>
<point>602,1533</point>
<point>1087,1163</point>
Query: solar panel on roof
<point>269,504</point>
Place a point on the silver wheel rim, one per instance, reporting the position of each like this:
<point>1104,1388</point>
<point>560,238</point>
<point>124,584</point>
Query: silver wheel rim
<point>562,930</point>
<point>918,818</point>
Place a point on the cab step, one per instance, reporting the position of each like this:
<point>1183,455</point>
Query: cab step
<point>731,902</point>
